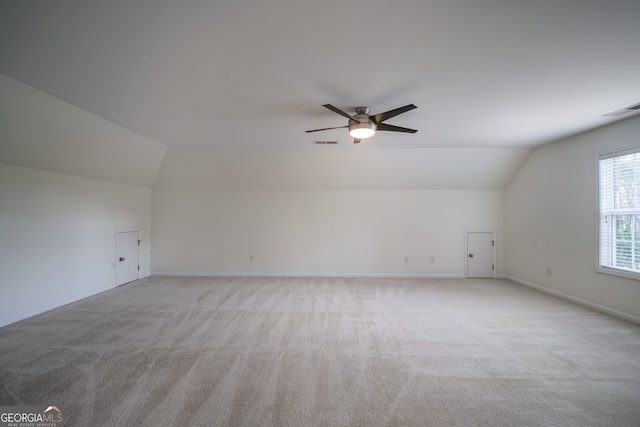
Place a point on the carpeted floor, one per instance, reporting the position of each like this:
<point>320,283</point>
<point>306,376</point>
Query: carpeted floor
<point>176,351</point>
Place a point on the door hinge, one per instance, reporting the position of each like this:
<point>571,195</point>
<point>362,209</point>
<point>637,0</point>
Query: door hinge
<point>138,268</point>
<point>493,267</point>
<point>493,243</point>
<point>139,242</point>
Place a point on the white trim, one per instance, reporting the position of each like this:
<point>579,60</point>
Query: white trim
<point>596,174</point>
<point>289,274</point>
<point>622,151</point>
<point>617,272</point>
<point>466,250</point>
<point>582,302</point>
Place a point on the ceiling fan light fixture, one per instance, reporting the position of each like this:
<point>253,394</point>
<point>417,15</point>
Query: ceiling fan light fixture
<point>362,130</point>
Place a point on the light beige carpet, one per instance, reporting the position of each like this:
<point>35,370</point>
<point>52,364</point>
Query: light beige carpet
<point>169,351</point>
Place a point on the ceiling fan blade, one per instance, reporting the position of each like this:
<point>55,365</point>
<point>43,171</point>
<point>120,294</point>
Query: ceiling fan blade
<point>391,128</point>
<point>381,117</point>
<point>356,140</point>
<point>318,130</point>
<point>339,111</point>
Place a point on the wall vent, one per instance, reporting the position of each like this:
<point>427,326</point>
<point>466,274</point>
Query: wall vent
<point>622,112</point>
<point>325,142</point>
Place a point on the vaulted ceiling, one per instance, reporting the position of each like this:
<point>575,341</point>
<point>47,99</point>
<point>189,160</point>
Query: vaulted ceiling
<point>230,86</point>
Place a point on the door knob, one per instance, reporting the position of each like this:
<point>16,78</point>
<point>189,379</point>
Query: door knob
<point>121,259</point>
<point>470,256</point>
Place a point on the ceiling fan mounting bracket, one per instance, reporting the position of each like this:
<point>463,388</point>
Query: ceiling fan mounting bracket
<point>362,110</point>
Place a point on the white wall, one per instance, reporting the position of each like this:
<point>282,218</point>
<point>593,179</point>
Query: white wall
<point>319,232</point>
<point>551,220</point>
<point>57,237</point>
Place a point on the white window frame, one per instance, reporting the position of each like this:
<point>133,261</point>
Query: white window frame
<point>616,271</point>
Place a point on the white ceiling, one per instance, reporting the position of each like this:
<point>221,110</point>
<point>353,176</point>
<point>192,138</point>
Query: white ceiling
<point>252,75</point>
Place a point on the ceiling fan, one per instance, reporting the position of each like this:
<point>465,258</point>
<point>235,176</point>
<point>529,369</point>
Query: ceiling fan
<point>363,125</point>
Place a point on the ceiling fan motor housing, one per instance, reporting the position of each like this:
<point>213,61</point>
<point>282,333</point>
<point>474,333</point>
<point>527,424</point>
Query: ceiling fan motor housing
<point>363,120</point>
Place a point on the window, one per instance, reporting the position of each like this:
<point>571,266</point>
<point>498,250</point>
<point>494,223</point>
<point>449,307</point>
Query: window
<point>619,216</point>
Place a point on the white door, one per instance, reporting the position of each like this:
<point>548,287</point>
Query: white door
<point>127,257</point>
<point>480,254</point>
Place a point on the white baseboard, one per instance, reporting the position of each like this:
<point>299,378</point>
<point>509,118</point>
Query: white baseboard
<point>289,274</point>
<point>592,305</point>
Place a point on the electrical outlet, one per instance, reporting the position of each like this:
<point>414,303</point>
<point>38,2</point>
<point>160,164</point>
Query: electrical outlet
<point>432,260</point>
<point>548,271</point>
<point>406,259</point>
<point>250,258</point>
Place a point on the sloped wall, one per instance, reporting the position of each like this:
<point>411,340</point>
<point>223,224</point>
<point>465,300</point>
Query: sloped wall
<point>341,168</point>
<point>42,132</point>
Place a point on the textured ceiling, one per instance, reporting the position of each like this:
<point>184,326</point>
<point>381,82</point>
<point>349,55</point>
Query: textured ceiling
<point>247,74</point>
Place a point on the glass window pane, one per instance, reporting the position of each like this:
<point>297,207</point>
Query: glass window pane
<point>623,227</point>
<point>623,254</point>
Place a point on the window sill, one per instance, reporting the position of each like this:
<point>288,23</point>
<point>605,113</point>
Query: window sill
<point>619,272</point>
